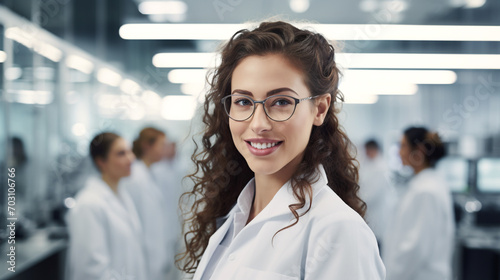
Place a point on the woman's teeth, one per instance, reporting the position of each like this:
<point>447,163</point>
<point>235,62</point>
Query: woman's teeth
<point>262,146</point>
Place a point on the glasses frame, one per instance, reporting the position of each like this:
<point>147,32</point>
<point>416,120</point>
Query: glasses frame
<point>297,101</point>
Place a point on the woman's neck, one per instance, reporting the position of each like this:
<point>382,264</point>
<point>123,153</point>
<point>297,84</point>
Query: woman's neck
<point>267,185</point>
<point>418,169</point>
<point>147,161</point>
<point>111,181</point>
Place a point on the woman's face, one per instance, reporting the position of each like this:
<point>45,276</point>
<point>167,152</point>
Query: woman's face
<point>119,159</point>
<point>269,146</point>
<point>404,151</point>
<point>409,156</point>
<point>156,151</point>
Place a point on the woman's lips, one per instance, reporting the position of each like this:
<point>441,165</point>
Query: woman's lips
<point>263,147</point>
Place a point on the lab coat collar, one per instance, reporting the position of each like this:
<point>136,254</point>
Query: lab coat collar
<point>277,207</point>
<point>121,202</point>
<point>279,204</point>
<point>284,197</point>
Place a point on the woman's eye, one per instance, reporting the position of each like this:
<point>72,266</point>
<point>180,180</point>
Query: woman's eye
<point>282,102</point>
<point>243,102</point>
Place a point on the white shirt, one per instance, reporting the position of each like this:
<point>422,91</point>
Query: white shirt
<point>331,241</point>
<point>151,208</point>
<point>419,245</point>
<point>105,235</point>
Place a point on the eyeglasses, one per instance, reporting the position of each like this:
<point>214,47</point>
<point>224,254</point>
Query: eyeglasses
<point>278,108</point>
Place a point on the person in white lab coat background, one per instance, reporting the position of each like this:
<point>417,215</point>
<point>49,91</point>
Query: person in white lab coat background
<point>275,194</point>
<point>375,189</point>
<point>105,232</point>
<point>148,199</point>
<point>168,174</point>
<point>419,243</point>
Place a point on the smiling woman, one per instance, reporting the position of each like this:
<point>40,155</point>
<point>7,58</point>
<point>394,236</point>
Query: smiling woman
<point>275,194</point>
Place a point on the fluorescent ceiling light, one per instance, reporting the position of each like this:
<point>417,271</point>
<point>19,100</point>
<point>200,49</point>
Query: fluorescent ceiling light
<point>20,36</point>
<point>25,38</point>
<point>355,60</point>
<point>360,99</point>
<point>162,7</point>
<point>78,129</point>
<point>48,51</point>
<point>299,6</point>
<point>223,31</point>
<point>151,98</point>
<point>472,4</point>
<point>186,76</point>
<point>109,77</point>
<point>402,76</point>
<point>178,107</point>
<point>137,113</point>
<point>185,60</point>
<point>3,56</point>
<point>30,97</point>
<point>80,64</point>
<point>194,89</point>
<point>381,88</point>
<point>419,61</point>
<point>130,87</point>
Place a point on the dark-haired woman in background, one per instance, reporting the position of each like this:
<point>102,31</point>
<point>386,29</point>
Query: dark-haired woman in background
<point>276,186</point>
<point>419,245</point>
<point>148,199</point>
<point>105,232</point>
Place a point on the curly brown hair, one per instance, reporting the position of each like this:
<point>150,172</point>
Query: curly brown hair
<point>222,172</point>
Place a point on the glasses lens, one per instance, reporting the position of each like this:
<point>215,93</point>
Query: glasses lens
<point>280,107</point>
<point>239,107</point>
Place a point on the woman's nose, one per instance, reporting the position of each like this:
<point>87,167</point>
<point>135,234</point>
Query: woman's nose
<point>260,122</point>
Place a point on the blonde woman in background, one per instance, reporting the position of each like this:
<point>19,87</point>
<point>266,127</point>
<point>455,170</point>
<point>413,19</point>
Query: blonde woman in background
<point>148,199</point>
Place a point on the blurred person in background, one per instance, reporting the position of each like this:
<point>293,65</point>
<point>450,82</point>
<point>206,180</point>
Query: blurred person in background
<point>168,174</point>
<point>148,199</point>
<point>375,189</point>
<point>104,228</point>
<point>419,243</point>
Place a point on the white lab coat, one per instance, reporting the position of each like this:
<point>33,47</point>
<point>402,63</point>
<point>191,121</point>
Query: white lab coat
<point>168,176</point>
<point>419,245</point>
<point>378,194</point>
<point>105,235</point>
<point>331,241</point>
<point>150,206</point>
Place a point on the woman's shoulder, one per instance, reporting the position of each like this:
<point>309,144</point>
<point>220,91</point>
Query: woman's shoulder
<point>91,195</point>
<point>427,182</point>
<point>327,207</point>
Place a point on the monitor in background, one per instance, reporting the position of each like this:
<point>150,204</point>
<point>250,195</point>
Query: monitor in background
<point>488,175</point>
<point>455,171</point>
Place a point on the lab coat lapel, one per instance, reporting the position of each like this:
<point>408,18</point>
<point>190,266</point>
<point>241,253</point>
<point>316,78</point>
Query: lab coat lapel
<point>215,240</point>
<point>284,197</point>
<point>115,205</point>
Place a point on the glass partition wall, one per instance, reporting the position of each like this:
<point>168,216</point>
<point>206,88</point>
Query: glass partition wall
<point>55,97</point>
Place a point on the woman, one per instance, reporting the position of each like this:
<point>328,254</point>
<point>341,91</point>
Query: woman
<point>420,241</point>
<point>269,116</point>
<point>105,233</point>
<point>148,199</point>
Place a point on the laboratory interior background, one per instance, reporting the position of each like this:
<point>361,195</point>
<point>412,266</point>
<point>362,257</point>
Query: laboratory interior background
<point>74,68</point>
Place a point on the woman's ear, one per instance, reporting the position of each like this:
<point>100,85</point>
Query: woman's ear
<point>100,162</point>
<point>322,106</point>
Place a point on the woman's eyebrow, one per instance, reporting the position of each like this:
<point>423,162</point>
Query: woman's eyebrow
<point>269,93</point>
